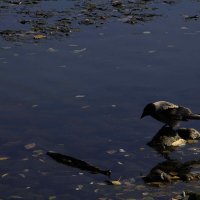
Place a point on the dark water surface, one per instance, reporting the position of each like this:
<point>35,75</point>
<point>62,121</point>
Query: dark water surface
<point>83,96</point>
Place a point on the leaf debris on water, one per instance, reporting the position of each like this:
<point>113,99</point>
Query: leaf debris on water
<point>79,50</point>
<point>4,175</point>
<point>152,51</point>
<point>101,183</point>
<point>3,158</point>
<point>73,45</point>
<point>51,50</point>
<point>122,151</point>
<point>80,96</point>
<point>61,66</point>
<point>52,197</point>
<point>30,146</point>
<point>116,182</point>
<point>112,151</point>
<point>184,28</point>
<point>25,159</point>
<point>15,197</point>
<point>84,107</point>
<point>22,175</point>
<point>6,47</point>
<point>79,187</point>
<point>39,36</point>
<point>34,106</point>
<point>146,32</point>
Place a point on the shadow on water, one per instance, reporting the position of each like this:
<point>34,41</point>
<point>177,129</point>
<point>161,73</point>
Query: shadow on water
<point>171,171</point>
<point>76,163</point>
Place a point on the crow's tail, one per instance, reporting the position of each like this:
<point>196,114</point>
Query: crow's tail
<point>194,116</point>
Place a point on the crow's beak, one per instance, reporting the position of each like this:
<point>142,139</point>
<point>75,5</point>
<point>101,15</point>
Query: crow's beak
<point>143,115</point>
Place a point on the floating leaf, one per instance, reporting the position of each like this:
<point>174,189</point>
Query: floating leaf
<point>184,28</point>
<point>152,51</point>
<point>116,182</point>
<point>73,45</point>
<point>101,183</point>
<point>22,175</point>
<point>34,106</point>
<point>25,159</point>
<point>84,107</point>
<point>38,152</point>
<point>3,158</point>
<point>39,36</point>
<point>15,197</point>
<point>30,146</point>
<point>111,151</point>
<point>79,50</point>
<point>122,151</point>
<point>6,48</point>
<point>80,96</point>
<point>146,32</point>
<point>4,175</point>
<point>52,197</point>
<point>79,187</point>
<point>96,190</point>
<point>51,50</point>
<point>61,66</point>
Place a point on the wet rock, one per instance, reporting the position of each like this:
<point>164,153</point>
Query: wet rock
<point>188,133</point>
<point>116,3</point>
<point>168,139</point>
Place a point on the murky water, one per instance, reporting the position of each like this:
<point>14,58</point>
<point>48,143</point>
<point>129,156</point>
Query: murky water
<point>83,96</point>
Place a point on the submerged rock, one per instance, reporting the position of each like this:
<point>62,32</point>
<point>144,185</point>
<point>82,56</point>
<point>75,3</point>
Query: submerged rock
<point>188,133</point>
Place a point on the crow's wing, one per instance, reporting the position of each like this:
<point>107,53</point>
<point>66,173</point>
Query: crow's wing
<point>179,113</point>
